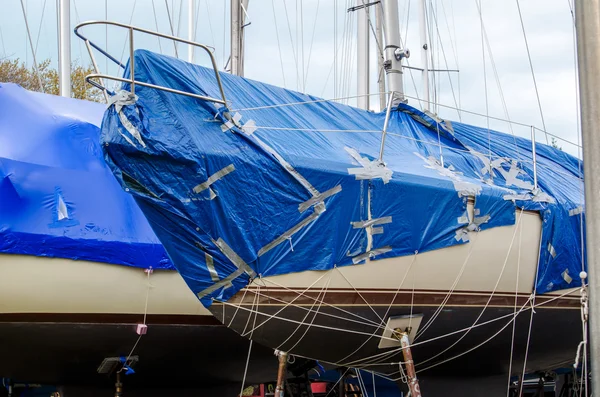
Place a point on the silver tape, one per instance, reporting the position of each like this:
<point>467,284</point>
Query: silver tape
<point>126,98</point>
<point>211,267</point>
<point>464,188</point>
<point>319,208</point>
<point>371,254</point>
<point>566,276</point>
<point>551,250</point>
<point>371,222</point>
<point>319,198</point>
<point>370,169</point>
<point>576,211</point>
<point>226,283</point>
<point>212,179</point>
<point>234,258</point>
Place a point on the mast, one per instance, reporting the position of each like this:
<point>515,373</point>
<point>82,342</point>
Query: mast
<point>393,50</point>
<point>238,8</point>
<point>424,55</point>
<point>190,30</point>
<point>380,59</point>
<point>587,21</point>
<point>362,42</point>
<point>64,48</point>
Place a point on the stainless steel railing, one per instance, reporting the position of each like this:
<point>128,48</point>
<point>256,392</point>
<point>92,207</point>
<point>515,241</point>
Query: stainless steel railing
<point>132,81</point>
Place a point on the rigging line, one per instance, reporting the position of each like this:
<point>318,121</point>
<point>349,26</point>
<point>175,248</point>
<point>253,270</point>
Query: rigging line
<point>270,317</point>
<point>156,24</point>
<point>37,41</point>
<point>237,309</point>
<point>450,292</point>
<point>365,321</point>
<point>489,299</point>
<point>254,301</point>
<point>178,19</point>
<point>278,44</point>
<point>248,357</point>
<point>171,27</point>
<point>305,317</point>
<point>311,44</point>
<point>537,94</point>
<point>302,44</point>
<point>314,317</point>
<point>487,111</point>
<point>514,324</point>
<point>407,19</point>
<point>35,65</point>
<point>382,324</point>
<point>224,25</point>
<point>334,51</point>
<point>445,59</point>
<point>359,294</point>
<point>212,34</point>
<point>291,40</point>
<point>498,84</point>
<point>526,306</point>
<point>2,40</point>
<point>336,383</point>
<point>148,272</point>
<point>106,33</point>
<point>361,383</point>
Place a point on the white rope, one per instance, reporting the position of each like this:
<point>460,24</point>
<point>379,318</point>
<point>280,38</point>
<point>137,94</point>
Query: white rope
<point>537,94</point>
<point>291,42</point>
<point>236,310</point>
<point>489,299</point>
<point>278,44</point>
<point>383,324</point>
<point>338,381</point>
<point>285,306</point>
<point>487,109</point>
<point>171,27</point>
<point>249,350</point>
<point>512,342</point>
<point>148,271</point>
<point>450,292</point>
<point>323,289</point>
<point>156,25</point>
<point>35,64</point>
<point>311,43</point>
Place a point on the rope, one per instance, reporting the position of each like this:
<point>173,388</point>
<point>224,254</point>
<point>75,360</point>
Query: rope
<point>489,299</point>
<point>537,94</point>
<point>278,44</point>
<point>383,325</point>
<point>311,44</point>
<point>171,27</point>
<point>291,41</point>
<point>487,109</point>
<point>35,64</point>
<point>512,342</point>
<point>156,25</point>
<point>148,271</point>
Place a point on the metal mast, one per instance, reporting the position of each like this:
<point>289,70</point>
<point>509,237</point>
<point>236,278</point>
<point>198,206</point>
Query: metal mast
<point>380,59</point>
<point>393,50</point>
<point>424,54</point>
<point>190,30</point>
<point>238,8</point>
<point>587,23</point>
<point>64,47</point>
<point>362,42</point>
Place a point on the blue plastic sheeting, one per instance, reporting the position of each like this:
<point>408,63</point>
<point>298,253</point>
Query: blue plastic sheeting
<point>370,384</point>
<point>284,189</point>
<point>57,196</point>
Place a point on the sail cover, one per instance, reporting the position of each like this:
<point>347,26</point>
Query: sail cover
<point>281,182</point>
<point>57,196</point>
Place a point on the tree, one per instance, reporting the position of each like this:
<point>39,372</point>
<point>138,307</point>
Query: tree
<point>15,71</point>
<point>554,143</point>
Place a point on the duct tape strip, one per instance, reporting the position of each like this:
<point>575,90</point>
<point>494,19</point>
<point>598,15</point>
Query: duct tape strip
<point>249,127</point>
<point>566,276</point>
<point>226,283</point>
<point>288,167</point>
<point>371,254</point>
<point>211,267</point>
<point>462,234</point>
<point>464,188</point>
<point>370,169</point>
<point>234,258</point>
<point>126,98</point>
<point>231,121</point>
<point>536,195</point>
<point>319,198</point>
<point>212,179</point>
<point>576,211</point>
<point>551,250</point>
<point>319,208</point>
<point>371,222</point>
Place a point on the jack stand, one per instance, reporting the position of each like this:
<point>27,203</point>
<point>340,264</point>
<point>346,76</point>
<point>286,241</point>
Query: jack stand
<point>280,388</point>
<point>413,382</point>
<point>118,385</point>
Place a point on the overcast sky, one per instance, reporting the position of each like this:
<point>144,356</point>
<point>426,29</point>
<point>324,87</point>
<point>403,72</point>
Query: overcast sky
<point>293,44</point>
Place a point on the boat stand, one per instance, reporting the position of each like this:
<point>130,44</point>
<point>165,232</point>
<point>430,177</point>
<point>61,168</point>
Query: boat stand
<point>413,382</point>
<point>282,369</point>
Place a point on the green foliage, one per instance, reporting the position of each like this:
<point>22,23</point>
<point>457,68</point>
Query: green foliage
<point>15,71</point>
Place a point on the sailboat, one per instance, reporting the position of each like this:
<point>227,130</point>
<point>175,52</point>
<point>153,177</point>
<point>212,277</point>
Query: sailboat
<point>322,230</point>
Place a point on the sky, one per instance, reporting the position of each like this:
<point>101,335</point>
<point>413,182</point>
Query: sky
<point>296,43</point>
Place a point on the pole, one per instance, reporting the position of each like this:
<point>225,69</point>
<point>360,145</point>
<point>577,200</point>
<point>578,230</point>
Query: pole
<point>236,38</point>
<point>64,48</point>
<point>411,374</point>
<point>393,64</point>
<point>424,54</point>
<point>362,56</point>
<point>280,388</point>
<point>191,30</point>
<point>587,21</point>
<point>380,59</point>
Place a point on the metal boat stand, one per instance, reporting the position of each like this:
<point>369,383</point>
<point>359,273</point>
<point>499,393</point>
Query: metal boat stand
<point>413,382</point>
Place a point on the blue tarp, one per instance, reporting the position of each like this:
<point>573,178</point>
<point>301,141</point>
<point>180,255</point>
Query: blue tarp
<point>57,196</point>
<point>285,189</point>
